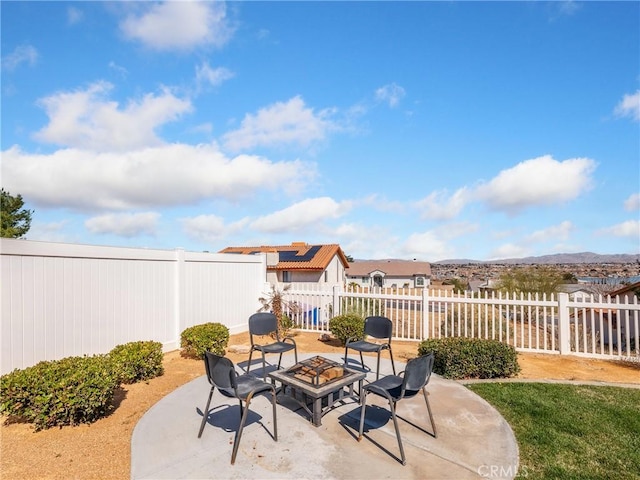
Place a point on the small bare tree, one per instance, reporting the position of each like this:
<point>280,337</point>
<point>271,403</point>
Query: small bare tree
<point>275,303</point>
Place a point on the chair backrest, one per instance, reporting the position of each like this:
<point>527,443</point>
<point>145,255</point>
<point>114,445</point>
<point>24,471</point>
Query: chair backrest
<point>378,327</point>
<point>220,371</point>
<point>417,374</point>
<point>262,323</point>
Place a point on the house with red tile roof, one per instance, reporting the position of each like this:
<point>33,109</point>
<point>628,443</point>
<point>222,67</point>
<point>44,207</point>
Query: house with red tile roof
<point>300,263</point>
<point>389,273</point>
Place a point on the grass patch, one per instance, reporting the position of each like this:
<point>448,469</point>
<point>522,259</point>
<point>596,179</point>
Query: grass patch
<point>571,432</point>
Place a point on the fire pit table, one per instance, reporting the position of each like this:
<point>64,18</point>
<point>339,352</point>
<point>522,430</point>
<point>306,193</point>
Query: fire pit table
<point>320,383</point>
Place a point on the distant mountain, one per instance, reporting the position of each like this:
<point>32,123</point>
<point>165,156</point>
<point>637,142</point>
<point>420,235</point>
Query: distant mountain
<point>558,258</point>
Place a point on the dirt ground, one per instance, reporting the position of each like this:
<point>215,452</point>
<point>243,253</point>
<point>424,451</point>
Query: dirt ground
<point>102,450</point>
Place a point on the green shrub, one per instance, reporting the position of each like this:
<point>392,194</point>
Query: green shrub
<point>136,361</point>
<point>459,357</point>
<point>70,391</point>
<point>196,340</point>
<point>347,326</point>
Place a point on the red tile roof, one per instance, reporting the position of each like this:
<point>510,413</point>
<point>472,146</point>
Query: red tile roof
<point>297,256</point>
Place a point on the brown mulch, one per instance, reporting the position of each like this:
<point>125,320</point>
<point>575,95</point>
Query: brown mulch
<point>102,450</point>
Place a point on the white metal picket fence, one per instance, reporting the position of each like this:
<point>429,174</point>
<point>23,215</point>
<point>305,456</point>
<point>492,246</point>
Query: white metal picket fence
<point>598,327</point>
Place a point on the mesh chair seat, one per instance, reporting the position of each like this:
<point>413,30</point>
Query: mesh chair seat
<point>277,347</point>
<point>364,346</point>
<point>246,385</point>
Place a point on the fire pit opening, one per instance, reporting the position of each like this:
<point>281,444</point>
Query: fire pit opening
<point>318,371</point>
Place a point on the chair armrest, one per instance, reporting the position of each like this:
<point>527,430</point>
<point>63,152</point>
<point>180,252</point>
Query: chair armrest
<point>290,339</point>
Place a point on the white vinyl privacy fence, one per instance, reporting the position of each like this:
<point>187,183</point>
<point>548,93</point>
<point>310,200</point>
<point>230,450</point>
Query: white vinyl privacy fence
<point>60,300</point>
<point>600,327</point>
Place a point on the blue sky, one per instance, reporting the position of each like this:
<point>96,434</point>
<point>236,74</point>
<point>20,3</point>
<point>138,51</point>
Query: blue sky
<point>427,130</point>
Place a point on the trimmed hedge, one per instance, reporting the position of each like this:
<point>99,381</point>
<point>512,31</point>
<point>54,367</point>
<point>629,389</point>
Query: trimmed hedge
<point>196,340</point>
<point>70,391</point>
<point>347,326</point>
<point>136,361</point>
<point>458,357</point>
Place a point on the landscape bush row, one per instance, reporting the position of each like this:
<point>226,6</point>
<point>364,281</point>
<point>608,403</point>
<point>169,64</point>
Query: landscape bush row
<point>76,390</point>
<point>454,357</point>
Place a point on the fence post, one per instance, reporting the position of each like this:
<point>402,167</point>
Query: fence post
<point>426,331</point>
<point>336,300</point>
<point>564,331</point>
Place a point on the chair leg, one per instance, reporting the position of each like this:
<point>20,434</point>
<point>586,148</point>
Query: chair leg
<point>279,361</point>
<point>275,422</point>
<point>236,442</point>
<point>362,361</point>
<point>249,364</point>
<point>264,368</point>
<point>363,407</point>
<point>426,399</point>
<point>205,414</point>
<point>392,406</point>
<point>378,367</point>
<point>393,365</point>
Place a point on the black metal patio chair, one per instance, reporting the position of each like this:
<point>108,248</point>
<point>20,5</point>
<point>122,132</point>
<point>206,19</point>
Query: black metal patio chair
<point>222,375</point>
<point>395,388</point>
<point>265,323</point>
<point>377,327</point>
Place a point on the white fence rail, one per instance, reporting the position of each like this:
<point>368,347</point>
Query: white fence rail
<point>600,327</point>
<point>60,300</point>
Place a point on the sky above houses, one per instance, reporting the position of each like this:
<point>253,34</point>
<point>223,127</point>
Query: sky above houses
<point>426,130</point>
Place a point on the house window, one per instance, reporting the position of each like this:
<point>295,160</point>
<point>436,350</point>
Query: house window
<point>419,281</point>
<point>326,276</point>
<point>365,280</point>
<point>286,276</point>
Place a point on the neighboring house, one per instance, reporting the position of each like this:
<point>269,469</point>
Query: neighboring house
<point>621,319</point>
<point>389,273</point>
<point>301,263</point>
<point>577,291</point>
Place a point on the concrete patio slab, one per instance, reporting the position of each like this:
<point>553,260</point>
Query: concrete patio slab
<point>474,441</point>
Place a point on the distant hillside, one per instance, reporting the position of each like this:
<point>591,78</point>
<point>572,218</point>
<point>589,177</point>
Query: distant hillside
<point>558,258</point>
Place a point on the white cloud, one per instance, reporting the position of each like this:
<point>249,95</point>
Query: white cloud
<point>391,94</point>
<point>21,54</point>
<point>509,250</point>
<point>87,119</point>
<point>560,232</point>
<point>427,245</point>
<point>540,181</point>
<point>124,224</point>
<point>629,106</point>
<point>436,206</point>
<point>51,232</point>
<point>209,228</point>
<point>632,204</point>
<point>174,174</point>
<point>302,214</point>
<point>630,228</point>
<point>288,122</point>
<point>121,71</point>
<point>179,25</point>
<point>74,15</point>
<point>205,75</point>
